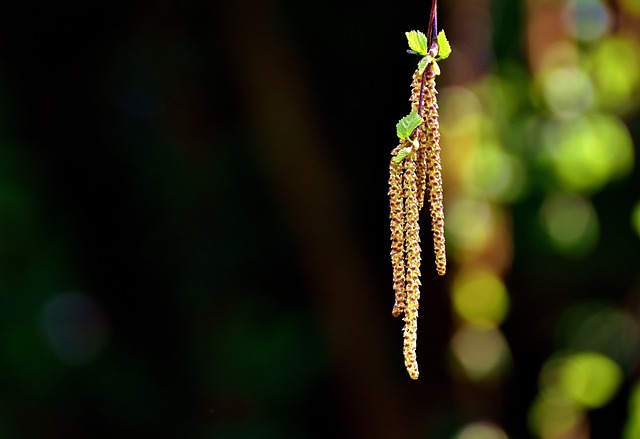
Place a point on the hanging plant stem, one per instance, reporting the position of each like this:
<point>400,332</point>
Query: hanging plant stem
<point>415,172</point>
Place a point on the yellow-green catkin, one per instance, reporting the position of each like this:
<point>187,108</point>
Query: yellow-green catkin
<point>434,172</point>
<point>412,248</point>
<point>397,216</point>
<point>421,133</point>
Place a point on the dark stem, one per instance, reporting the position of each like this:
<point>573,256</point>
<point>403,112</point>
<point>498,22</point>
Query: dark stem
<point>432,31</point>
<point>432,36</point>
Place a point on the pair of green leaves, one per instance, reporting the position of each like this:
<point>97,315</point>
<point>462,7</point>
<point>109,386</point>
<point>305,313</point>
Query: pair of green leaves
<point>419,44</point>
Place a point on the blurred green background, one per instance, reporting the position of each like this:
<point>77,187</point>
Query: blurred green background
<point>194,237</point>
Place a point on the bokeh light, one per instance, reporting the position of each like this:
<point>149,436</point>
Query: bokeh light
<point>480,298</point>
<point>470,223</point>
<point>587,20</point>
<point>614,65</point>
<point>478,157</point>
<point>461,113</point>
<point>571,224</point>
<point>482,353</point>
<point>570,385</point>
<point>635,218</point>
<point>631,6</point>
<point>75,327</point>
<point>589,379</point>
<point>632,427</point>
<point>481,430</point>
<point>600,327</point>
<point>567,91</point>
<point>586,153</point>
<point>491,171</point>
<point>552,416</point>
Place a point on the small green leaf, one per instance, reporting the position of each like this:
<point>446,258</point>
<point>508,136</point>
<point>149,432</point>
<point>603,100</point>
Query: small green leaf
<point>407,124</point>
<point>423,63</point>
<point>402,154</point>
<point>444,47</point>
<point>417,42</point>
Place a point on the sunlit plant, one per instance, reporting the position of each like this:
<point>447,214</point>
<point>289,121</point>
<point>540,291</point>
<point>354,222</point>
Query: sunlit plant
<point>415,173</point>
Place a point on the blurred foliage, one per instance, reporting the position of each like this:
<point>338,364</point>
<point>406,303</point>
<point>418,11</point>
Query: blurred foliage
<point>194,236</point>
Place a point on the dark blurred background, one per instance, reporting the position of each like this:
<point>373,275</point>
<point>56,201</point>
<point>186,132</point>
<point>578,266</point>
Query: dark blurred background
<point>194,235</point>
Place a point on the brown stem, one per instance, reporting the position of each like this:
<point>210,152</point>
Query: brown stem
<point>432,31</point>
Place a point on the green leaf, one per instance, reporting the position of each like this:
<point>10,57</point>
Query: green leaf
<point>417,42</point>
<point>444,47</point>
<point>424,62</point>
<point>402,154</point>
<point>407,124</point>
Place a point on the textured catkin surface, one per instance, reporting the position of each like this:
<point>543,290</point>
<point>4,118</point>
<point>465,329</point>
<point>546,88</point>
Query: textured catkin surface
<point>397,227</point>
<point>413,178</point>
<point>434,171</point>
<point>412,246</point>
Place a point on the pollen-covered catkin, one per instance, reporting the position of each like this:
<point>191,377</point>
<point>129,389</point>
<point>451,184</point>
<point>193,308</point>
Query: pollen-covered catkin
<point>434,171</point>
<point>397,217</point>
<point>415,176</point>
<point>421,133</point>
<point>412,248</point>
